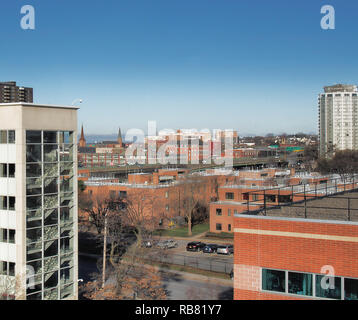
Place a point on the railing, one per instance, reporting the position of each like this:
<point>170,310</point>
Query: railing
<point>202,263</point>
<point>301,195</point>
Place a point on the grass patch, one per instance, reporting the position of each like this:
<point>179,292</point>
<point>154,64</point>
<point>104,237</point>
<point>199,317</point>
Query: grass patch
<point>183,232</point>
<point>221,236</point>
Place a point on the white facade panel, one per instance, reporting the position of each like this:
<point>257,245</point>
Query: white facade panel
<point>11,185</point>
<point>3,153</point>
<point>11,157</point>
<point>8,252</point>
<point>3,186</point>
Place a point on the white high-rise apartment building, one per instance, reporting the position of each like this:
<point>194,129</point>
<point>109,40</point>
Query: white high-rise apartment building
<point>338,118</point>
<point>38,202</point>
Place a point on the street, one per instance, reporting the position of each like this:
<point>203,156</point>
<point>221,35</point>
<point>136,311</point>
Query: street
<point>179,285</point>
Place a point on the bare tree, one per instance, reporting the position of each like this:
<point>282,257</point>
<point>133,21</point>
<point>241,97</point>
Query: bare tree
<point>97,206</point>
<point>192,194</point>
<point>128,277</point>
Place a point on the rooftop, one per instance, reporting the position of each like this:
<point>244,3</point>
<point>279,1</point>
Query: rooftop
<point>26,104</point>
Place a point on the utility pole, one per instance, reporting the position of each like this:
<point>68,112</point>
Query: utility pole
<point>104,251</point>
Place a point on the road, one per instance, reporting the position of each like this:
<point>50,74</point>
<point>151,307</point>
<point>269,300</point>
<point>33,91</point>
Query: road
<point>185,286</point>
<point>179,285</point>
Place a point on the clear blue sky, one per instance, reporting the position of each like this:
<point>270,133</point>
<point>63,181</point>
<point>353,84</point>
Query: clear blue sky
<point>252,65</point>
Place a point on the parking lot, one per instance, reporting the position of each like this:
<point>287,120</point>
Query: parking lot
<point>204,261</point>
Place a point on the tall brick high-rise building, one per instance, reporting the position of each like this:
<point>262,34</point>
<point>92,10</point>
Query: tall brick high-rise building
<point>10,92</point>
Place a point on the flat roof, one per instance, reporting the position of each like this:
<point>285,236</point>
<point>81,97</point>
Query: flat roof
<point>26,104</point>
<point>336,207</point>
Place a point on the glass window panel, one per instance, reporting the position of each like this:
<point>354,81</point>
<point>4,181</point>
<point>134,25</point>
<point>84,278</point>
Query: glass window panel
<point>350,289</point>
<point>33,136</point>
<point>33,153</point>
<point>3,137</point>
<point>51,248</point>
<point>66,169</point>
<point>3,170</point>
<point>12,236</point>
<point>33,186</point>
<point>273,280</point>
<point>51,217</point>
<point>50,201</point>
<point>51,169</point>
<point>11,269</point>
<point>50,136</point>
<point>11,170</point>
<point>50,264</point>
<point>51,232</point>
<point>33,224</point>
<point>36,265</point>
<point>12,203</point>
<point>33,170</point>
<point>66,200</point>
<point>34,256</point>
<point>66,137</point>
<point>66,214</point>
<point>3,203</point>
<point>33,203</point>
<point>300,283</point>
<point>50,185</point>
<point>51,294</point>
<point>11,137</point>
<point>66,184</point>
<point>52,280</point>
<point>37,296</point>
<point>328,289</point>
<point>66,276</point>
<point>51,153</point>
<point>34,235</point>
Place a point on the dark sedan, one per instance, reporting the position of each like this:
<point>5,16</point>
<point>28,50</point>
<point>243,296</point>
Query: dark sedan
<point>195,246</point>
<point>210,248</point>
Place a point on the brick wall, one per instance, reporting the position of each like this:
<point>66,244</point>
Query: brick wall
<point>295,245</point>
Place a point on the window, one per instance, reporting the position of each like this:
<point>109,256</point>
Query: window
<point>273,280</point>
<point>229,227</point>
<point>11,137</point>
<point>218,212</point>
<point>7,203</point>
<point>245,196</point>
<point>7,136</point>
<point>300,283</point>
<point>328,287</point>
<point>7,170</point>
<point>350,289</point>
<point>218,227</point>
<point>229,196</point>
<point>229,212</point>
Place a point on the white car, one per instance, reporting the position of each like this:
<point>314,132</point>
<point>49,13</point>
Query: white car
<point>167,244</point>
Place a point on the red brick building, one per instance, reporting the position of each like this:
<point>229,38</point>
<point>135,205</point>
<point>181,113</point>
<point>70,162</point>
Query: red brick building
<point>283,255</point>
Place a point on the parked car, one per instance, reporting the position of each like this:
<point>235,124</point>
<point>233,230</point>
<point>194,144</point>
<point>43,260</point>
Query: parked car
<point>195,246</point>
<point>225,249</point>
<point>148,243</point>
<point>167,244</point>
<point>210,248</point>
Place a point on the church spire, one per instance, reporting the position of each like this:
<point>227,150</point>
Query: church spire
<point>82,139</point>
<point>119,139</point>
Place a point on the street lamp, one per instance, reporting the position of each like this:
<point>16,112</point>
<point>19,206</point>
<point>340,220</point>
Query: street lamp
<point>74,101</point>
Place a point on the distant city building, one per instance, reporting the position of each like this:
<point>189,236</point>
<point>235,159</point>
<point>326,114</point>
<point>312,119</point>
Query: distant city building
<point>10,92</point>
<point>338,118</point>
